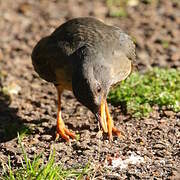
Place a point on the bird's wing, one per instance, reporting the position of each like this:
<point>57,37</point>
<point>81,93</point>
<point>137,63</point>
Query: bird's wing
<point>123,57</point>
<point>121,68</point>
<point>125,44</point>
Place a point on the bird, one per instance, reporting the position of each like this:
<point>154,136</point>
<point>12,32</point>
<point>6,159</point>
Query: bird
<point>88,57</point>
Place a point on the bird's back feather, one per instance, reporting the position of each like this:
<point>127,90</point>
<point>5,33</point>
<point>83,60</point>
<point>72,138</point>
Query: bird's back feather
<point>53,55</point>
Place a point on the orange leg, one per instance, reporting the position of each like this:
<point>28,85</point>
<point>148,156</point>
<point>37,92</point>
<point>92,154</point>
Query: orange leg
<point>110,124</point>
<point>61,129</point>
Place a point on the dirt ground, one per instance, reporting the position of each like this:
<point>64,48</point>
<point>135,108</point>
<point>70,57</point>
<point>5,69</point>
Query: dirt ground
<point>152,142</point>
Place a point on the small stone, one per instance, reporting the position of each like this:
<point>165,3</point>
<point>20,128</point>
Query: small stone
<point>99,134</point>
<point>169,113</point>
<point>1,55</point>
<point>12,88</point>
<point>24,8</point>
<point>133,3</point>
<point>159,146</point>
<point>175,56</point>
<point>45,124</point>
<point>46,137</point>
<point>178,114</point>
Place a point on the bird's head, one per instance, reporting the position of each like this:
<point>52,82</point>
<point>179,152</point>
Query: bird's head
<point>91,83</point>
<point>89,92</point>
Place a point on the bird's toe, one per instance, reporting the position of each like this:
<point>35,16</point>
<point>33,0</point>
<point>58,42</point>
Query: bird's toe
<point>65,134</point>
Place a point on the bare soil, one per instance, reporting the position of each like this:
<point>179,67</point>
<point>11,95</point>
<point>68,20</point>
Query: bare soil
<point>33,104</point>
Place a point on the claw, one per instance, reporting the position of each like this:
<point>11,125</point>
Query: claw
<point>64,133</point>
<point>119,133</point>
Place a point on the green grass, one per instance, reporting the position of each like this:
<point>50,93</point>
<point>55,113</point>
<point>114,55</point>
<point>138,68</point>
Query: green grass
<point>140,92</point>
<point>38,169</point>
<point>165,44</point>
<point>117,8</point>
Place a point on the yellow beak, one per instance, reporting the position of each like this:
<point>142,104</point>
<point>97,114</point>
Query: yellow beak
<point>103,117</point>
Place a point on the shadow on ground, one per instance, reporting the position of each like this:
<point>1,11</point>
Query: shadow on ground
<point>10,122</point>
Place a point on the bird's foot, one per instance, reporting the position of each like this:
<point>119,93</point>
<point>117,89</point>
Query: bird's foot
<point>64,133</point>
<point>61,129</point>
<point>112,129</point>
<point>117,132</point>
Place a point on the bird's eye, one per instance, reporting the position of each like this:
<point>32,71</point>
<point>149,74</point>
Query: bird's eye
<point>98,89</point>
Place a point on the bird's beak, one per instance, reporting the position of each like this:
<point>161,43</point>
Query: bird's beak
<point>101,116</point>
